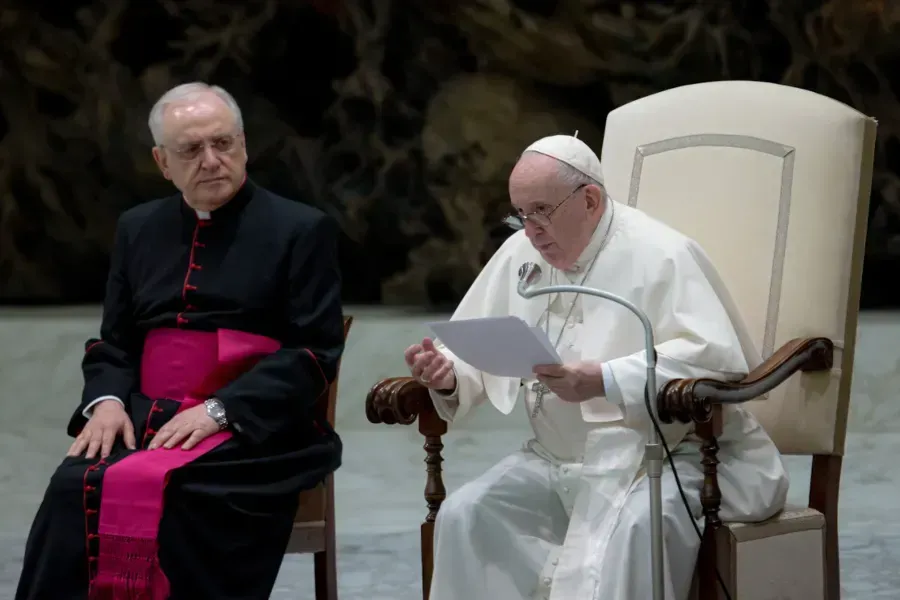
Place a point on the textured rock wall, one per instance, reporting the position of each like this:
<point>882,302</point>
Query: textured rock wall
<point>400,118</point>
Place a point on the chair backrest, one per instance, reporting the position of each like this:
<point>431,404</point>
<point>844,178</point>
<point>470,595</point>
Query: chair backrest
<point>328,401</point>
<point>315,513</point>
<point>773,182</point>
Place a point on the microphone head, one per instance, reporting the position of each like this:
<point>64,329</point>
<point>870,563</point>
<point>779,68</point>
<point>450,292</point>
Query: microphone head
<point>529,274</point>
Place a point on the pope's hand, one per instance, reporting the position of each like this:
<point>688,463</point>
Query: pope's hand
<point>191,426</point>
<point>573,382</point>
<point>429,366</point>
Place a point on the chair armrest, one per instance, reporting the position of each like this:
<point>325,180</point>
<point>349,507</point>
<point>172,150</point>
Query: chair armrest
<point>398,400</point>
<point>688,400</point>
<point>403,400</point>
<point>700,401</point>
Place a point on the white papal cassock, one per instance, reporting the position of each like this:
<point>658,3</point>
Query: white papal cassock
<point>567,517</point>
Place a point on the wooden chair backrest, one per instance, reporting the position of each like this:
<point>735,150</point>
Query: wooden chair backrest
<point>328,402</point>
<point>316,504</point>
<point>773,182</point>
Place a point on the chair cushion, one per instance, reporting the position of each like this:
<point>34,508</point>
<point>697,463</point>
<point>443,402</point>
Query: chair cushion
<point>782,557</point>
<point>791,520</point>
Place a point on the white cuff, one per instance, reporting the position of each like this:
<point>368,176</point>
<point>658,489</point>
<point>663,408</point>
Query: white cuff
<point>611,386</point>
<point>89,409</point>
<point>607,407</point>
<point>446,403</point>
<point>452,393</point>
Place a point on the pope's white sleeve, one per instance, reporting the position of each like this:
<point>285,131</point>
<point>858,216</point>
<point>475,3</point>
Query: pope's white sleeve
<point>598,409</point>
<point>695,338</point>
<point>630,373</point>
<point>469,391</point>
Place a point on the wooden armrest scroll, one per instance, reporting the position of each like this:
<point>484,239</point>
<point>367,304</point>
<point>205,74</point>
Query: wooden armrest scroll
<point>397,400</point>
<point>688,400</point>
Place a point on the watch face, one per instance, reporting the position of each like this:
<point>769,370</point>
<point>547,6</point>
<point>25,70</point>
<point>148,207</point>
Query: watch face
<point>216,411</point>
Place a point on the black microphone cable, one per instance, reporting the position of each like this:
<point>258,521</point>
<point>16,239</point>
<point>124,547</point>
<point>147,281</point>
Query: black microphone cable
<point>684,500</point>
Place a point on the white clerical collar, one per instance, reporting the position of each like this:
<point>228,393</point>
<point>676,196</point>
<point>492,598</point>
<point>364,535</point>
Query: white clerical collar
<point>203,215</point>
<point>597,240</point>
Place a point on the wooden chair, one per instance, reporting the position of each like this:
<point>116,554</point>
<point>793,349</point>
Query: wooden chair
<point>774,183</point>
<point>314,523</point>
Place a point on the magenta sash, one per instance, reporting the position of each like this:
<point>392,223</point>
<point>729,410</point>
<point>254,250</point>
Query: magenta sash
<point>189,367</point>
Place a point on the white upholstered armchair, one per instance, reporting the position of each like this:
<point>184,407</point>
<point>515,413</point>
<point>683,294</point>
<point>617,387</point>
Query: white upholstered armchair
<point>774,183</point>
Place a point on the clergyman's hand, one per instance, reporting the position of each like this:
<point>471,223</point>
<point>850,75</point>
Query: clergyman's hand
<point>573,382</point>
<point>108,421</point>
<point>191,427</point>
<point>430,366</point>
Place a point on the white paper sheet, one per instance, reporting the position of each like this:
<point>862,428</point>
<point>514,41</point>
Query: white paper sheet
<point>501,346</point>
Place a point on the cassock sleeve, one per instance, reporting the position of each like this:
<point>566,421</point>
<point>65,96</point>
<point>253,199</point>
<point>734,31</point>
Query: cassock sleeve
<point>695,337</point>
<point>283,387</point>
<point>110,364</point>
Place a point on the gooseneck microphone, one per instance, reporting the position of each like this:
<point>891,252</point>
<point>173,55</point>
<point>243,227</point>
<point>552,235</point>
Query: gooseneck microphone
<point>529,275</point>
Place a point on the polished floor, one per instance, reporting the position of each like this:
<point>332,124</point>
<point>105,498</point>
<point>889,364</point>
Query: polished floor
<point>379,488</point>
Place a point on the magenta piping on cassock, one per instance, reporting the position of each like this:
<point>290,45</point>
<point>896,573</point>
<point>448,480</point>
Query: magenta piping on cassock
<point>188,367</point>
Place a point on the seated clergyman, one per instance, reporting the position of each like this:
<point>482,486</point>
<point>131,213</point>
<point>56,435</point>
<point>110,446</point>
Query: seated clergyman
<point>567,517</point>
<point>199,424</point>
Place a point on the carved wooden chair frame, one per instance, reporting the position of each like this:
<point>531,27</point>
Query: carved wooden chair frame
<point>700,402</point>
<point>402,400</point>
<point>314,528</point>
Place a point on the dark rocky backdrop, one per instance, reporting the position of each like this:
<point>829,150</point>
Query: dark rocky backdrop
<point>400,118</point>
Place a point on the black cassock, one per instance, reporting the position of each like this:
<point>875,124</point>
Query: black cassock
<point>260,264</point>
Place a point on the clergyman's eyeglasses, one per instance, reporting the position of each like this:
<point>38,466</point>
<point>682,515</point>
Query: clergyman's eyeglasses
<point>517,220</point>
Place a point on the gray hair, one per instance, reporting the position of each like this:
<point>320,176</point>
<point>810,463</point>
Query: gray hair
<point>188,91</point>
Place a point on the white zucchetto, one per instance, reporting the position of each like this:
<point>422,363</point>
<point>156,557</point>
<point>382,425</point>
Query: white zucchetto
<point>572,151</point>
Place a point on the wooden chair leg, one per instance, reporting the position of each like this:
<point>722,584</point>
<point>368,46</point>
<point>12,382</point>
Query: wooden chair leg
<point>432,428</point>
<point>711,500</point>
<point>325,562</point>
<point>707,581</point>
<point>403,400</point>
<point>427,539</point>
<point>326,575</point>
<point>824,488</point>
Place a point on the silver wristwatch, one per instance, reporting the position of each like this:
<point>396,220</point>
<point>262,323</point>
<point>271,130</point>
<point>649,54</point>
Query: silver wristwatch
<point>216,411</point>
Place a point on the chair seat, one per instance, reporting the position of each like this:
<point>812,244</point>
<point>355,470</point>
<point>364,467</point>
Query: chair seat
<point>307,538</point>
<point>309,523</point>
<point>782,557</point>
<point>311,507</point>
<point>792,519</point>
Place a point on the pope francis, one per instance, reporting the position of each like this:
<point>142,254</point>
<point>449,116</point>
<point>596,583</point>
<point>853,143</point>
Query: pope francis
<point>567,517</point>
